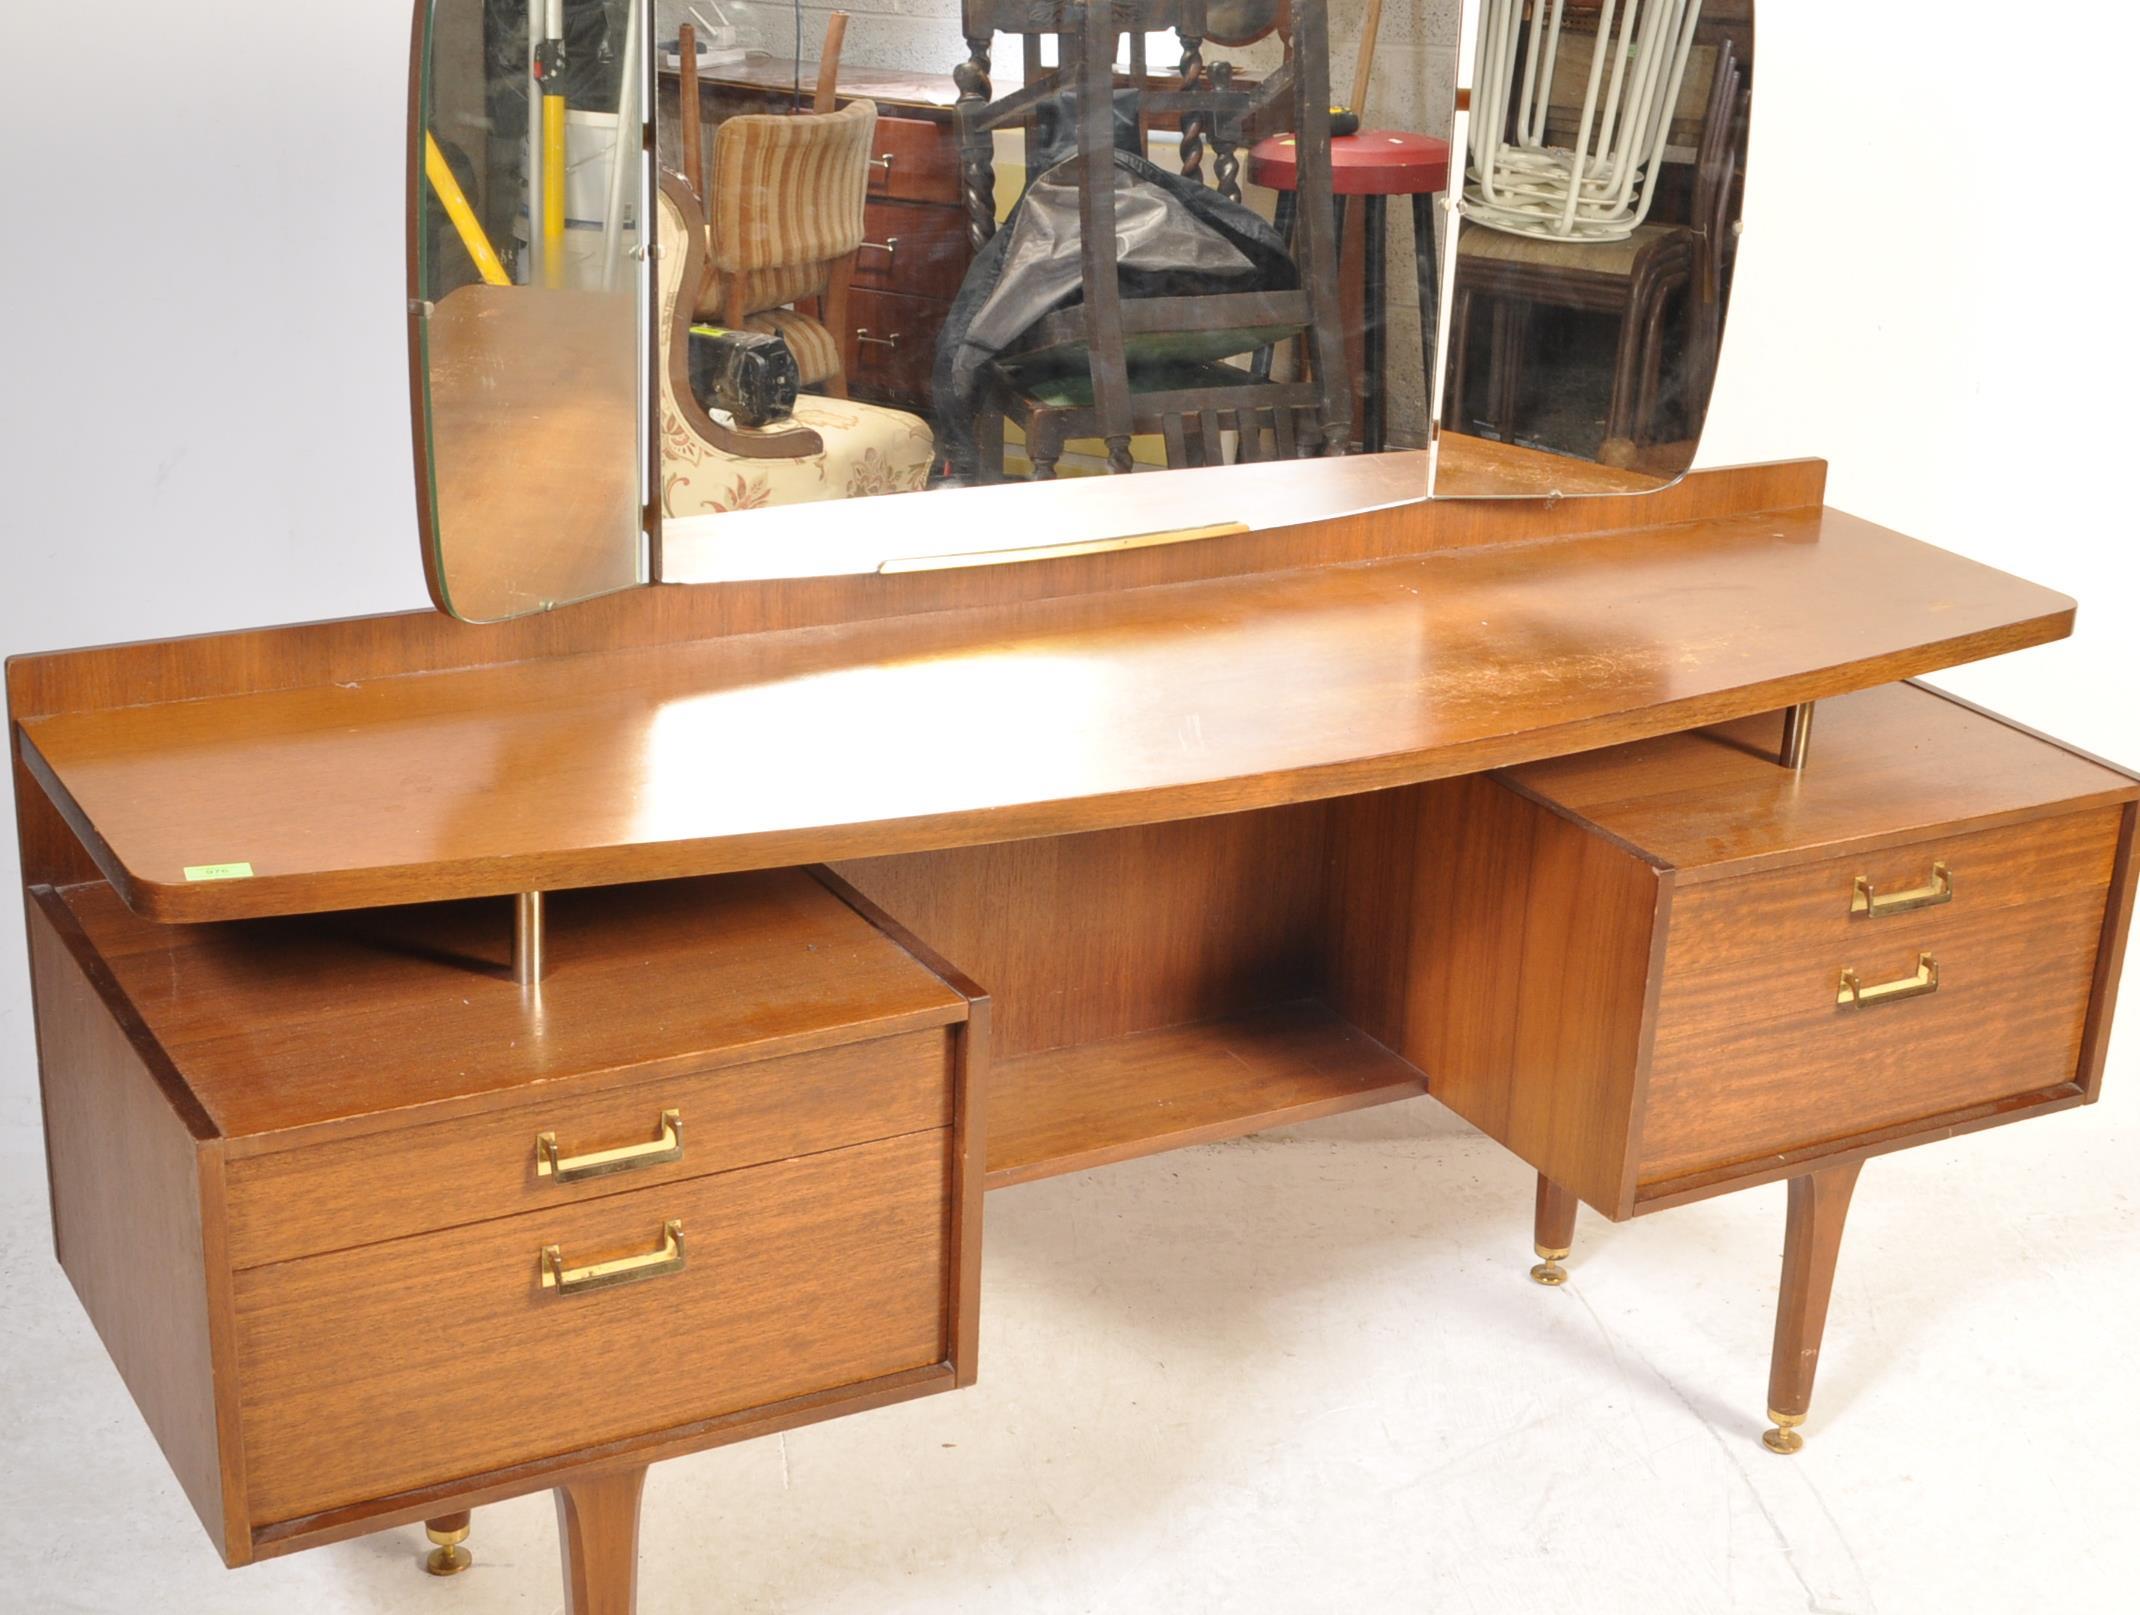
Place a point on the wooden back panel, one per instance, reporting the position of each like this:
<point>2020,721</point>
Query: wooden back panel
<point>247,661</point>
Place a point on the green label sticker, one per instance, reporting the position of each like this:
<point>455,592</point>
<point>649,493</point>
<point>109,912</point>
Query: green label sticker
<point>219,871</point>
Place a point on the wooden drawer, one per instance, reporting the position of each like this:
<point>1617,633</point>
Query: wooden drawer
<point>1754,1055</point>
<point>383,1185</point>
<point>912,247</point>
<point>895,348</point>
<point>376,1371</point>
<point>1628,966</point>
<point>1730,936</point>
<point>297,1185</point>
<point>914,160</point>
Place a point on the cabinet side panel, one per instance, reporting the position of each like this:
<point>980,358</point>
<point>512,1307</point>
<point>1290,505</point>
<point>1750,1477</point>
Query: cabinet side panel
<point>126,1208</point>
<point>51,855</point>
<point>2110,957</point>
<point>1529,981</point>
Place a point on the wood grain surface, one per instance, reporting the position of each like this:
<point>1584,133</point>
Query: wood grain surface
<point>1336,526</point>
<point>1754,1056</point>
<point>1083,938</point>
<point>1624,964</point>
<point>1529,982</point>
<point>377,1370</point>
<point>358,1191</point>
<point>1096,710</point>
<point>126,1175</point>
<point>1889,765</point>
<point>288,1032</point>
<point>1068,1109</point>
<point>598,1535</point>
<point>1812,1240</point>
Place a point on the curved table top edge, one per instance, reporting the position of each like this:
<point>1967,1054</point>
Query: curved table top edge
<point>1191,622</point>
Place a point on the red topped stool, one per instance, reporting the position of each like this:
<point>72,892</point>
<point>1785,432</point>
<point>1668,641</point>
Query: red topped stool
<point>1374,164</point>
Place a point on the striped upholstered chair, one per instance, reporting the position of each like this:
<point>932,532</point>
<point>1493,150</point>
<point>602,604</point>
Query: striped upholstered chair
<point>785,216</point>
<point>831,448</point>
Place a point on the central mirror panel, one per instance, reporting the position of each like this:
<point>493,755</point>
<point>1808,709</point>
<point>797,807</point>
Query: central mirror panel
<point>972,243</point>
<point>971,280</point>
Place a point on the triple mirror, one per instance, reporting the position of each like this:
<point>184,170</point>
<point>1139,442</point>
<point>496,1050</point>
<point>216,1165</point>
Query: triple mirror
<point>687,273</point>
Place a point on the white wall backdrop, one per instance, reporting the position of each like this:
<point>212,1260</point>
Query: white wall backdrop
<point>203,406</point>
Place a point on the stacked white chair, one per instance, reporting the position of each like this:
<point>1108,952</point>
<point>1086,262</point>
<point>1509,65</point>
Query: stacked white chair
<point>1597,188</point>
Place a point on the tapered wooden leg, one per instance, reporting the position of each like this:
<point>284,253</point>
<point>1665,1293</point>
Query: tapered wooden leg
<point>1553,1231</point>
<point>447,1557</point>
<point>598,1534</point>
<point>1813,1233</point>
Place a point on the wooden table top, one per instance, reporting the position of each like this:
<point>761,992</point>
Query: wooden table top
<point>957,727</point>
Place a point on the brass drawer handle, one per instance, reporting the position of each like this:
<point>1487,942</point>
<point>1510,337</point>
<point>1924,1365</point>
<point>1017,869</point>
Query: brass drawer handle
<point>862,335</point>
<point>883,165</point>
<point>1864,900</point>
<point>621,1270</point>
<point>1851,993</point>
<point>889,246</point>
<point>668,1146</point>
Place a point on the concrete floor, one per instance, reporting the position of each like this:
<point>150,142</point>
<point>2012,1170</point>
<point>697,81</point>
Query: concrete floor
<point>1305,1372</point>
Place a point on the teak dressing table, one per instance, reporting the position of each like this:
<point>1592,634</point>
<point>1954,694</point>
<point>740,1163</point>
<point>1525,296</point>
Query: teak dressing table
<point>870,894</point>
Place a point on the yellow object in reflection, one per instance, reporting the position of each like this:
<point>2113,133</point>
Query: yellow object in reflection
<point>553,188</point>
<point>455,202</point>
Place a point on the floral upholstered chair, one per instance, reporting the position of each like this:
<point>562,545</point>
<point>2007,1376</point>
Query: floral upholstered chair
<point>831,448</point>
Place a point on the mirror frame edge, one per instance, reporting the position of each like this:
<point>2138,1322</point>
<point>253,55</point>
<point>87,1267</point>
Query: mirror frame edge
<point>648,453</point>
<point>419,399</point>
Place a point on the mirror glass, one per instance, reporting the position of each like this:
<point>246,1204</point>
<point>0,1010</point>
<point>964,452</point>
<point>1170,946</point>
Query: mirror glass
<point>530,188</point>
<point>1603,173</point>
<point>894,273</point>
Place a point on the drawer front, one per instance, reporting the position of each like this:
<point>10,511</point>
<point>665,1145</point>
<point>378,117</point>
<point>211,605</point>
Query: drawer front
<point>370,1372</point>
<point>912,247</point>
<point>914,160</point>
<point>413,1180</point>
<point>895,344</point>
<point>1754,1054</point>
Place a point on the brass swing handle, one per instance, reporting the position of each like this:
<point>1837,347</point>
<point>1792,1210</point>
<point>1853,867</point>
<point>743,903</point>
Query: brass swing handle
<point>862,335</point>
<point>889,246</point>
<point>668,1145</point>
<point>883,164</point>
<point>1871,903</point>
<point>620,1270</point>
<point>1851,993</point>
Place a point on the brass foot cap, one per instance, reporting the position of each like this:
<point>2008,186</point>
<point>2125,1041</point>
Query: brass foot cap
<point>449,1558</point>
<point>1785,1437</point>
<point>1549,1272</point>
<point>448,1561</point>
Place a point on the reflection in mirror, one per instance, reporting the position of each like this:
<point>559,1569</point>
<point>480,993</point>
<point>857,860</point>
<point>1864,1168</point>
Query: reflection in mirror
<point>1604,170</point>
<point>958,243</point>
<point>532,174</point>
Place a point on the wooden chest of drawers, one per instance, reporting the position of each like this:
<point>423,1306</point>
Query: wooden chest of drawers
<point>1673,968</point>
<point>367,1228</point>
